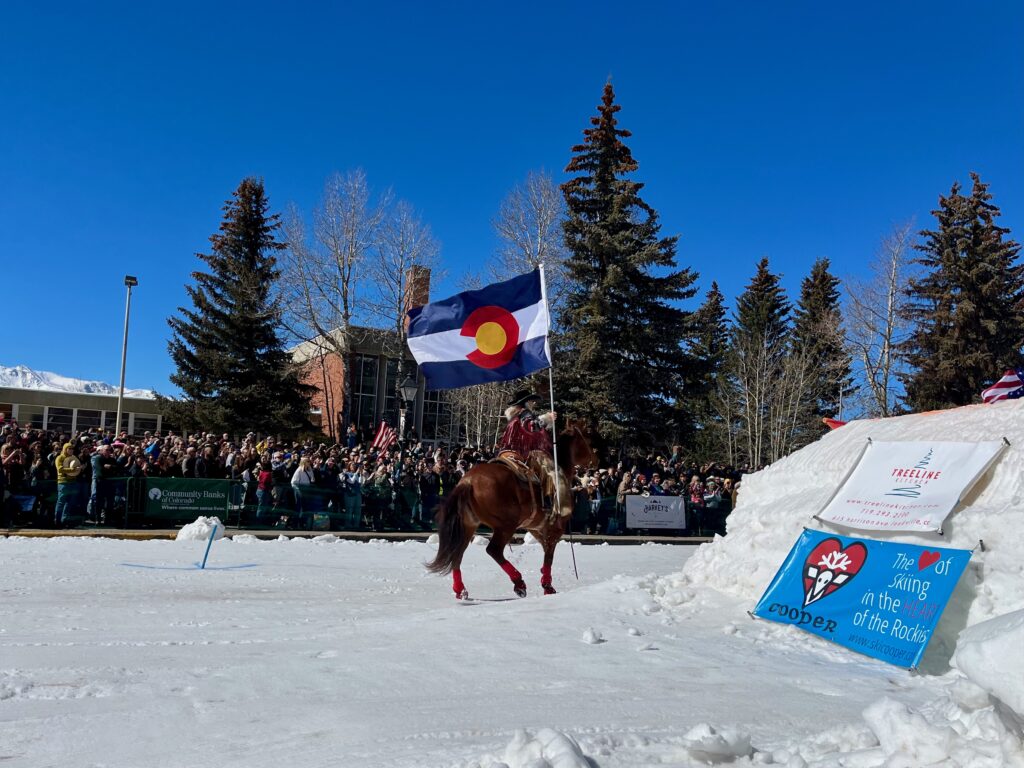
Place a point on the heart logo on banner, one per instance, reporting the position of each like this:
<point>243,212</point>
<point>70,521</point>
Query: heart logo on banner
<point>829,567</point>
<point>927,558</point>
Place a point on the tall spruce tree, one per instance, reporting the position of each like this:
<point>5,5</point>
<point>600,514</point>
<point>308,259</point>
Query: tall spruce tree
<point>818,337</point>
<point>710,348</point>
<point>968,308</point>
<point>232,368</point>
<point>711,338</point>
<point>623,358</point>
<point>762,310</point>
<point>756,366</point>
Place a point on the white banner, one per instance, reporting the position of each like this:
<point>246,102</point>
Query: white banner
<point>909,486</point>
<point>655,511</point>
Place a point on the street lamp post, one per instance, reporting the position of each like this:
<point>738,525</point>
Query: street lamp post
<point>129,281</point>
<point>408,389</point>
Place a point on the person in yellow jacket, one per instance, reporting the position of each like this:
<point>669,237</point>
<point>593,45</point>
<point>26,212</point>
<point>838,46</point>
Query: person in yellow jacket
<point>68,470</point>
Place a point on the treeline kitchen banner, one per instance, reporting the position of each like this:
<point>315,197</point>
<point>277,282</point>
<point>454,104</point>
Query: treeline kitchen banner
<point>655,511</point>
<point>909,486</point>
<point>879,598</point>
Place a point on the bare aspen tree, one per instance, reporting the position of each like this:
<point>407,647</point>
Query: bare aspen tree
<point>875,321</point>
<point>405,245</point>
<point>529,225</point>
<point>765,397</point>
<point>529,228</point>
<point>324,269</point>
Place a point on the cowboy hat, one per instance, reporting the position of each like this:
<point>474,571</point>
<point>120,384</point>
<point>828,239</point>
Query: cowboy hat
<point>523,396</point>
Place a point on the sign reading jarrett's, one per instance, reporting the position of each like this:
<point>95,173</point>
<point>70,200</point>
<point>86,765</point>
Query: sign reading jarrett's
<point>655,511</point>
<point>910,486</point>
<point>879,598</point>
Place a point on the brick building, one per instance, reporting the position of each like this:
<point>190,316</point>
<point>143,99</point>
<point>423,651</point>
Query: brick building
<point>379,361</point>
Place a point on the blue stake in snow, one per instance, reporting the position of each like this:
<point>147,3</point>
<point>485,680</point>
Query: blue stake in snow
<point>208,545</point>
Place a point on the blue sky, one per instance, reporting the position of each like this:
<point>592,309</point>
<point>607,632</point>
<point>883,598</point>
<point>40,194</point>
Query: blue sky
<point>792,131</point>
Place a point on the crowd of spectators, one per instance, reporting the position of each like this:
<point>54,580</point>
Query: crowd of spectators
<point>63,480</point>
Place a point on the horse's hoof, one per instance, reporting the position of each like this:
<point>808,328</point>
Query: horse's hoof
<point>549,590</point>
<point>463,595</point>
<point>520,588</point>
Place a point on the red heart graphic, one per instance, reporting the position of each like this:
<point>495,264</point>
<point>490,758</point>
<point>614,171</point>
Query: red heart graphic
<point>926,558</point>
<point>828,567</point>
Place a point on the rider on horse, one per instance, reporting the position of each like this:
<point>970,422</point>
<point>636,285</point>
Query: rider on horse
<point>527,442</point>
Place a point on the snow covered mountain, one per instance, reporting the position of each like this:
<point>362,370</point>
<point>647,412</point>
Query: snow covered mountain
<point>23,377</point>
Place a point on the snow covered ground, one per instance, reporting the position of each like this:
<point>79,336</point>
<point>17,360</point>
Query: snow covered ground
<point>333,653</point>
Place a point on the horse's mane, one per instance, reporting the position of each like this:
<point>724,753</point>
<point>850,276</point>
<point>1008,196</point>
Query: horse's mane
<point>565,440</point>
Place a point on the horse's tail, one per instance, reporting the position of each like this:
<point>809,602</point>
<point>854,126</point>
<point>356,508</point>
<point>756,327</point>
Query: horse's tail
<point>450,529</point>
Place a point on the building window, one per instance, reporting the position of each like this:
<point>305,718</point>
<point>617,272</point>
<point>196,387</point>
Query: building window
<point>437,417</point>
<point>30,416</point>
<point>59,420</point>
<point>316,417</point>
<point>110,417</point>
<point>364,394</point>
<point>391,404</point>
<point>144,422</point>
<point>87,420</point>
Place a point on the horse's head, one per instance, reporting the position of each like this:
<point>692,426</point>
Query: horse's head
<point>574,440</point>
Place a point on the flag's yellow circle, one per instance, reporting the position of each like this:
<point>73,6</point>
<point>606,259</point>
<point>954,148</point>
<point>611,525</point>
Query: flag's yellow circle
<point>491,338</point>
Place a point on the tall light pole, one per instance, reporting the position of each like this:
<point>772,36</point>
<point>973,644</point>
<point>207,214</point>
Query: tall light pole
<point>129,281</point>
<point>408,391</point>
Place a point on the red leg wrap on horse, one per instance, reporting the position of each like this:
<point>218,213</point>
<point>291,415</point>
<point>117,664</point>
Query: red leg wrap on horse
<point>545,574</point>
<point>510,569</point>
<point>457,584</point>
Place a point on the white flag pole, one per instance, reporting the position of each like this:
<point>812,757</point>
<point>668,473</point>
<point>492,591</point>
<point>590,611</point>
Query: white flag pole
<point>554,432</point>
<point>551,386</point>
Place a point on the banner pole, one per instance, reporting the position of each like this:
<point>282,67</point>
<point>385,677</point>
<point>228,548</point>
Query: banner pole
<point>209,544</point>
<point>554,431</point>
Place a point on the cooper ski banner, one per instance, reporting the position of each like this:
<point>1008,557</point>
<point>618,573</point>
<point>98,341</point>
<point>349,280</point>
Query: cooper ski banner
<point>909,486</point>
<point>879,598</point>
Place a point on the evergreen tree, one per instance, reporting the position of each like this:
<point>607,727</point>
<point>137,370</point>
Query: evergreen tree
<point>818,337</point>
<point>624,362</point>
<point>968,308</point>
<point>762,310</point>
<point>711,339</point>
<point>232,369</point>
<point>709,348</point>
<point>758,378</point>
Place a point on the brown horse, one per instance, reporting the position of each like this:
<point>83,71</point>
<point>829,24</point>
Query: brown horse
<point>492,495</point>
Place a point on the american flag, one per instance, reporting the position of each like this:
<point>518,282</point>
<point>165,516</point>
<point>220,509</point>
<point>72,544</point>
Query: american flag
<point>384,439</point>
<point>1010,387</point>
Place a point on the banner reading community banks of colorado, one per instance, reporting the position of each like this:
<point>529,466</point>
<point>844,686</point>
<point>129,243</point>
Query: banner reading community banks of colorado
<point>185,499</point>
<point>879,598</point>
<point>909,486</point>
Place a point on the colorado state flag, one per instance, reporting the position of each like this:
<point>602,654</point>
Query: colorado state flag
<point>494,334</point>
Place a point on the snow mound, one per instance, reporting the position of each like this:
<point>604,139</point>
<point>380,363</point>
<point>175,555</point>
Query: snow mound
<point>245,538</point>
<point>327,538</point>
<point>776,503</point>
<point>434,539</point>
<point>991,655</point>
<point>480,541</point>
<point>592,637</point>
<point>708,745</point>
<point>959,729</point>
<point>976,719</point>
<point>548,749</point>
<point>529,539</point>
<point>200,529</point>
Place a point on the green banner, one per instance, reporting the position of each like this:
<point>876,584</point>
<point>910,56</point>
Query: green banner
<point>186,499</point>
